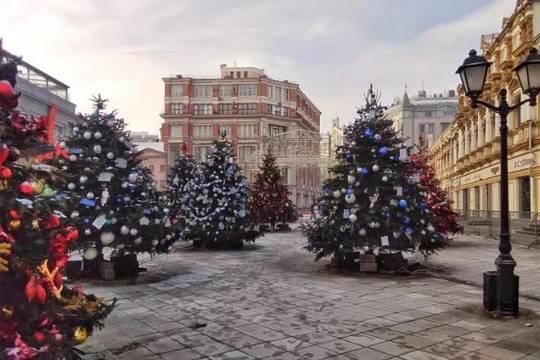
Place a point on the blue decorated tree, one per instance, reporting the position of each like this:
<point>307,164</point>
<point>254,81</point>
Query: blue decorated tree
<point>373,202</point>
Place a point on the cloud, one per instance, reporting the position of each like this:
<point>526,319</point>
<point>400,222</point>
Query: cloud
<point>333,49</point>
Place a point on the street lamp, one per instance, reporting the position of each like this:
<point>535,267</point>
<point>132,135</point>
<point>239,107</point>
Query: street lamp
<point>473,75</point>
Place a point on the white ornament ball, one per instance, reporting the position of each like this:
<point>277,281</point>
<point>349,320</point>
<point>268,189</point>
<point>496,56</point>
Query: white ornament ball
<point>132,177</point>
<point>75,129</point>
<point>350,198</point>
<point>362,232</point>
<point>124,185</point>
<point>133,231</point>
<point>106,238</point>
<point>87,232</point>
<point>71,186</point>
<point>351,179</point>
<point>121,139</point>
<point>87,135</point>
<point>124,230</point>
<point>384,178</point>
<point>97,149</point>
<point>110,155</point>
<point>155,242</point>
<point>83,179</point>
<point>72,157</point>
<point>97,135</point>
<point>63,144</point>
<point>138,241</point>
<point>375,168</point>
<point>353,218</point>
<point>90,253</point>
<point>75,214</point>
<point>90,195</point>
<point>337,194</point>
<point>120,246</point>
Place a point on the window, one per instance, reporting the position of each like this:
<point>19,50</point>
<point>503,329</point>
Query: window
<point>430,128</point>
<point>517,113</point>
<point>247,90</point>
<point>203,91</point>
<point>174,153</point>
<point>226,129</point>
<point>277,110</point>
<point>247,130</point>
<point>276,130</point>
<point>176,108</point>
<point>444,126</point>
<point>285,175</point>
<point>202,131</point>
<point>162,183</point>
<point>238,74</point>
<point>177,91</point>
<point>247,153</point>
<point>162,168</point>
<point>245,74</point>
<point>428,114</point>
<point>247,108</point>
<point>274,92</point>
<point>225,109</point>
<point>176,131</point>
<point>225,90</point>
<point>286,94</point>
<point>203,109</point>
<point>151,167</point>
<point>201,153</point>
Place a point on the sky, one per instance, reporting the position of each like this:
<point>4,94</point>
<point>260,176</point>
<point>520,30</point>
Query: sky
<point>333,49</point>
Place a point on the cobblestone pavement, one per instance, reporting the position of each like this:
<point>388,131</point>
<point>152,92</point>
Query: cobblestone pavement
<point>470,256</point>
<point>273,302</point>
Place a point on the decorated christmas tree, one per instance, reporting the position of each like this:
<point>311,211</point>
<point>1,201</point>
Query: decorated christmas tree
<point>40,317</point>
<point>109,188</point>
<point>216,201</point>
<point>185,169</point>
<point>372,204</point>
<point>270,201</point>
<point>445,220</point>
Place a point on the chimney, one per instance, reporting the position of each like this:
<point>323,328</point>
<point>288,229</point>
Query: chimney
<point>421,93</point>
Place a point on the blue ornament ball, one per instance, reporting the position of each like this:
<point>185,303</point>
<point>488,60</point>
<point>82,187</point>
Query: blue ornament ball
<point>406,220</point>
<point>402,203</point>
<point>383,150</point>
<point>364,170</point>
<point>409,230</point>
<point>368,134</point>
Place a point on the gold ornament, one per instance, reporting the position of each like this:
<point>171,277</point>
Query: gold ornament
<point>80,335</point>
<point>6,311</point>
<point>5,249</point>
<point>35,224</point>
<point>14,224</point>
<point>38,186</point>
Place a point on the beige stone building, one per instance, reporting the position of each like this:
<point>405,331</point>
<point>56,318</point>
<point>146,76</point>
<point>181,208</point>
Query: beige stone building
<point>466,155</point>
<point>329,142</point>
<point>257,112</point>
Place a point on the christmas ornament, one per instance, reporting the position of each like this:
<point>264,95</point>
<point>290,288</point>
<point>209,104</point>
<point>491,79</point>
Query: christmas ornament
<point>110,155</point>
<point>97,135</point>
<point>350,198</point>
<point>97,149</point>
<point>124,230</point>
<point>87,135</point>
<point>107,238</point>
<point>80,335</point>
<point>375,168</point>
<point>353,218</point>
<point>337,194</point>
<point>90,253</point>
<point>362,232</point>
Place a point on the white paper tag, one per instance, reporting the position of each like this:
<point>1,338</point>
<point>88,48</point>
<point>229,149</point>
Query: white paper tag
<point>399,191</point>
<point>105,177</point>
<point>144,221</point>
<point>384,241</point>
<point>99,222</point>
<point>403,155</point>
<point>121,163</point>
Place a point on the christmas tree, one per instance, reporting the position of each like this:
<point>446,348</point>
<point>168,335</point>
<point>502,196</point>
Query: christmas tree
<point>109,192</point>
<point>445,220</point>
<point>270,201</point>
<point>184,170</point>
<point>40,317</point>
<point>216,201</point>
<point>371,204</point>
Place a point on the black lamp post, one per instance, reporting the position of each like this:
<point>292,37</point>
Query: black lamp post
<point>473,74</point>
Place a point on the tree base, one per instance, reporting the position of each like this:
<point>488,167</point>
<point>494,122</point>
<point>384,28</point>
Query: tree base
<point>125,266</point>
<point>348,261</point>
<point>283,227</point>
<point>392,262</point>
<point>229,244</point>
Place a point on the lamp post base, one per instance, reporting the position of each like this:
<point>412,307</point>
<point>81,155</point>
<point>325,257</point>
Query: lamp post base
<point>501,293</point>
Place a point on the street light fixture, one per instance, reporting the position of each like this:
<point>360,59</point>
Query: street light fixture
<point>473,75</point>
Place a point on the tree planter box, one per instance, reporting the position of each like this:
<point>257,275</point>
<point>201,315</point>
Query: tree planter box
<point>284,227</point>
<point>126,266</point>
<point>197,243</point>
<point>348,261</point>
<point>392,262</point>
<point>106,270</point>
<point>264,228</point>
<point>368,263</point>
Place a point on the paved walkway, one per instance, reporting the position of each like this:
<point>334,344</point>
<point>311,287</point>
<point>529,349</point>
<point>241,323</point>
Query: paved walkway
<point>274,302</point>
<point>469,256</point>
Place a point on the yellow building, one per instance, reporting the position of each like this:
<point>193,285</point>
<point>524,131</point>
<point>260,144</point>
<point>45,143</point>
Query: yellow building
<point>466,155</point>
<point>329,142</point>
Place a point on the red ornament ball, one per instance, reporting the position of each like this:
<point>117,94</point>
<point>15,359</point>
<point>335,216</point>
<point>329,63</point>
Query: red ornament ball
<point>26,188</point>
<point>6,173</point>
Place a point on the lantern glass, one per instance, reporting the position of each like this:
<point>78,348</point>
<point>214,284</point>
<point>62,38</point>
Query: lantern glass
<point>528,73</point>
<point>473,74</point>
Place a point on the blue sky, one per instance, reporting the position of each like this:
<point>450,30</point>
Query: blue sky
<point>334,49</point>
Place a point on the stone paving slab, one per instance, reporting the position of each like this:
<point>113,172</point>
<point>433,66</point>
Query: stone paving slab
<point>271,301</point>
<point>469,256</point>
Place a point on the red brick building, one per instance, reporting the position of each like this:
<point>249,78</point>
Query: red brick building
<point>258,113</point>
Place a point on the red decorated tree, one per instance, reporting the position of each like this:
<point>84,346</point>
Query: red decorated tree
<point>445,220</point>
<point>270,203</point>
<point>40,317</point>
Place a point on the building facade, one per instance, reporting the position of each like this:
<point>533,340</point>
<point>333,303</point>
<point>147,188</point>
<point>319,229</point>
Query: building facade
<point>42,94</point>
<point>466,155</point>
<point>257,112</point>
<point>421,119</point>
<point>154,158</point>
<point>329,142</point>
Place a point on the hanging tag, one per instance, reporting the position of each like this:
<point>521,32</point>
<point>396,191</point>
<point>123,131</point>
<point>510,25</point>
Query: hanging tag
<point>144,221</point>
<point>87,202</point>
<point>121,163</point>
<point>105,177</point>
<point>399,191</point>
<point>384,241</point>
<point>99,222</point>
<point>75,151</point>
<point>346,213</point>
<point>403,154</point>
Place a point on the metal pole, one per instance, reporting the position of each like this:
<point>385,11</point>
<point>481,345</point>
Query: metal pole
<point>507,299</point>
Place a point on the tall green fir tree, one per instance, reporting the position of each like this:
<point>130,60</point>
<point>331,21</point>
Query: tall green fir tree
<point>41,317</point>
<point>270,202</point>
<point>109,189</point>
<point>216,201</point>
<point>373,202</point>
